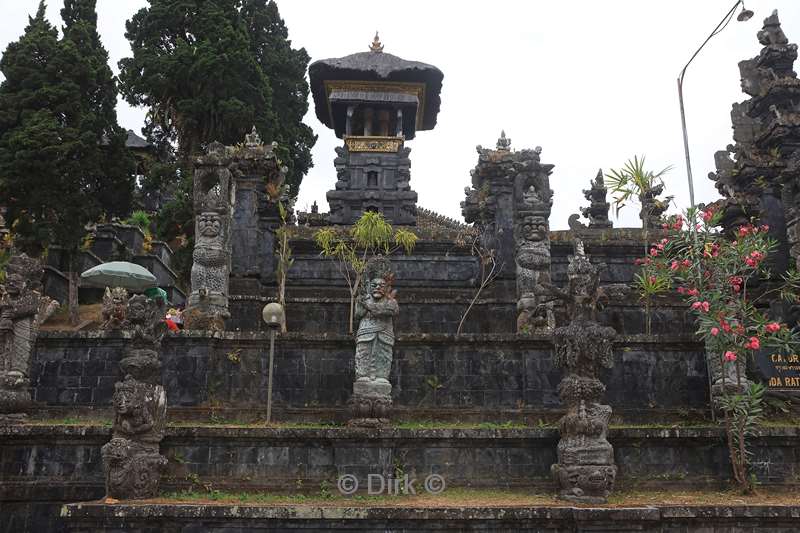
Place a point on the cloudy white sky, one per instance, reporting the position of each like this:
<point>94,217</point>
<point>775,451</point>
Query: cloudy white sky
<point>591,82</point>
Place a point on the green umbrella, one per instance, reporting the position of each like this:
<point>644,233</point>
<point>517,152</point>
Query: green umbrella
<point>120,274</point>
<point>155,293</point>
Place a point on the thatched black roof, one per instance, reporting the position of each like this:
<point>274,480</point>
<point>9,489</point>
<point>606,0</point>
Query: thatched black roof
<point>376,66</point>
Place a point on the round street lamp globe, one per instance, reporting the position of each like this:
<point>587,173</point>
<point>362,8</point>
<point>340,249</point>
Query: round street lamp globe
<point>745,15</point>
<point>272,314</point>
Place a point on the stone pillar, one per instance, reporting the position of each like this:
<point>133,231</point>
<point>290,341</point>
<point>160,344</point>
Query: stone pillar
<point>131,459</point>
<point>214,195</point>
<point>585,472</point>
<point>510,202</point>
<point>376,309</point>
<point>22,309</point>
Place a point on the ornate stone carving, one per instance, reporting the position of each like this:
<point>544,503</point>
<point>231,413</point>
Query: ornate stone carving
<point>760,171</point>
<point>373,144</point>
<point>509,203</point>
<point>652,211</point>
<point>22,310</point>
<point>375,311</point>
<point>131,459</point>
<point>214,194</point>
<point>597,212</point>
<point>115,308</point>
<point>585,471</point>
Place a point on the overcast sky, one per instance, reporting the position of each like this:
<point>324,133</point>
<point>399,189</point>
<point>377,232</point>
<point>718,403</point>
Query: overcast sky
<point>592,83</point>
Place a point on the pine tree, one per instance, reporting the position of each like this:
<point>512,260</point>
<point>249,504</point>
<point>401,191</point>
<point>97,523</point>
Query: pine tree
<point>101,160</point>
<point>193,68</point>
<point>63,162</point>
<point>285,68</point>
<point>33,107</point>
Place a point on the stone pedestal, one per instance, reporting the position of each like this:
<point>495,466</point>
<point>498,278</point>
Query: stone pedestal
<point>371,402</point>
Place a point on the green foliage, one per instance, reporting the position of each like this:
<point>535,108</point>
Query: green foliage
<point>370,235</point>
<point>712,275</point>
<point>140,219</point>
<point>632,181</point>
<point>285,68</point>
<point>209,71</point>
<point>63,162</point>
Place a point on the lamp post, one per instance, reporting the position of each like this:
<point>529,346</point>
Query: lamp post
<point>744,14</point>
<point>273,317</point>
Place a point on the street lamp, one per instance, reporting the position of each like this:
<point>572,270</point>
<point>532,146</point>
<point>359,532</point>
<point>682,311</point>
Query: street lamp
<point>273,317</point>
<point>744,15</point>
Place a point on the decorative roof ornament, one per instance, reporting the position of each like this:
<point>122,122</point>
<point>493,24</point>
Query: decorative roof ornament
<point>376,45</point>
<point>504,143</point>
<point>253,138</point>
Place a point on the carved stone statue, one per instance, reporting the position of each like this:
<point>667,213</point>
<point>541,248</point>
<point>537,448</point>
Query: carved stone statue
<point>585,471</point>
<point>375,311</point>
<point>22,310</point>
<point>115,308</point>
<point>131,459</point>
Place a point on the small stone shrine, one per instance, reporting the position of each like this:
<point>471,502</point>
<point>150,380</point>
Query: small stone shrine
<point>597,212</point>
<point>22,309</point>
<point>585,471</point>
<point>375,102</point>
<point>376,309</point>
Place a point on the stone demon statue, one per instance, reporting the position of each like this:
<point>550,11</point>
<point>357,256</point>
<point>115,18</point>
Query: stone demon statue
<point>22,310</point>
<point>375,310</point>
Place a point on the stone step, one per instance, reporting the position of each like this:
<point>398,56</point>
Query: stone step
<point>219,518</point>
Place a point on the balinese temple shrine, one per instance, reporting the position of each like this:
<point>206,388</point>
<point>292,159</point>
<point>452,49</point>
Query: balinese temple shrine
<point>374,102</point>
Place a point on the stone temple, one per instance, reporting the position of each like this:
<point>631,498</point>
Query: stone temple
<point>497,356</point>
<point>375,102</point>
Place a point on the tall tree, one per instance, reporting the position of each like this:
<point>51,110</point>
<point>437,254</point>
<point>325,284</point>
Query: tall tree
<point>101,159</point>
<point>62,159</point>
<point>286,69</point>
<point>192,66</point>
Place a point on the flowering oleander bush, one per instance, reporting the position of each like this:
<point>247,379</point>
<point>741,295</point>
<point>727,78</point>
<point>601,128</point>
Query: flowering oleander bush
<point>712,275</point>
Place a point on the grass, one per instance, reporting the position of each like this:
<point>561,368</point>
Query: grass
<point>465,497</point>
<point>70,421</point>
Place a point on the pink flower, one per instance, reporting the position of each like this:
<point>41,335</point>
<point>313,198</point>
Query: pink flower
<point>751,262</point>
<point>652,279</point>
<point>698,226</point>
<point>702,306</point>
<point>660,246</point>
<point>714,332</point>
<point>653,252</point>
<point>764,227</point>
<point>754,344</point>
<point>686,263</point>
<point>730,356</point>
<point>681,290</point>
<point>743,231</point>
<point>707,215</point>
<point>675,265</point>
<point>725,326</point>
<point>665,226</point>
<point>693,292</point>
<point>664,240</point>
<point>706,306</point>
<point>772,327</point>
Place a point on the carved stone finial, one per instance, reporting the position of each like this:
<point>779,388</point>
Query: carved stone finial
<point>376,45</point>
<point>252,139</point>
<point>597,212</point>
<point>503,143</point>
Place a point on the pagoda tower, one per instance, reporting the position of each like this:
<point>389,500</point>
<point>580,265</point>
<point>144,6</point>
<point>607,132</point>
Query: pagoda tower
<point>374,102</point>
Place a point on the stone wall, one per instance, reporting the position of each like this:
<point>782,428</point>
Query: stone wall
<point>488,372</point>
<point>43,465</point>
